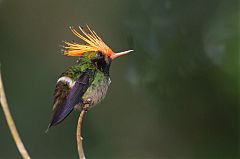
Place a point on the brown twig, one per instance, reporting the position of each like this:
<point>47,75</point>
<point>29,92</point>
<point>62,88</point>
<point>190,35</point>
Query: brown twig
<point>79,137</point>
<point>10,122</point>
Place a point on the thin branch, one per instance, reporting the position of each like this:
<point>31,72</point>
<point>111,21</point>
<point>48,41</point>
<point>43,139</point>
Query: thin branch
<point>79,137</point>
<point>10,122</point>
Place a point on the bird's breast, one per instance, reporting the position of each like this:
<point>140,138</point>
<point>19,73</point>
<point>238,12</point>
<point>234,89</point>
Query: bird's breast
<point>97,90</point>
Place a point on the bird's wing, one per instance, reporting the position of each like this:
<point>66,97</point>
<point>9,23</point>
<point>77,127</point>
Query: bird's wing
<point>65,97</point>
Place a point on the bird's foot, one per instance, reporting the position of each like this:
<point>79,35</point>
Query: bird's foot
<point>85,107</point>
<point>86,104</point>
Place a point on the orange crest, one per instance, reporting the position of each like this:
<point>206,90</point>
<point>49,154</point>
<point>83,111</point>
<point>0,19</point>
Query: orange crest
<point>93,44</point>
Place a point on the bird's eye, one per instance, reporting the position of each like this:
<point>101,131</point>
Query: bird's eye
<point>99,55</point>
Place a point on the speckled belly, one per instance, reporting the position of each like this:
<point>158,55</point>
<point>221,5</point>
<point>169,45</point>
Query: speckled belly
<point>97,91</point>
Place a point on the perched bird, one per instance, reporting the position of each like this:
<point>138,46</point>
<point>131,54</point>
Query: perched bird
<point>84,84</point>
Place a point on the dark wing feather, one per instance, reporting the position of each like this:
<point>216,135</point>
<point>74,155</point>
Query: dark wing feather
<point>71,97</point>
<point>60,94</point>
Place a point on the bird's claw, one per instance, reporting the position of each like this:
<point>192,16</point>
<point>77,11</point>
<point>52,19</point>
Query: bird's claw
<point>87,104</point>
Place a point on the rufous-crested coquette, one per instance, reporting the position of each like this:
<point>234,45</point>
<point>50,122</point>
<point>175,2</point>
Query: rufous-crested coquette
<point>86,82</point>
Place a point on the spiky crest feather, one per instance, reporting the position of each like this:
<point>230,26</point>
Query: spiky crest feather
<point>93,44</point>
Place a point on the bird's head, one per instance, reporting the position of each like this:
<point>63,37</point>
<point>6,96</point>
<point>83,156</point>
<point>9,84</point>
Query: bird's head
<point>94,49</point>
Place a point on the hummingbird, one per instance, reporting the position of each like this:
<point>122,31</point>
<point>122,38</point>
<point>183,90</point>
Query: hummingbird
<point>84,84</point>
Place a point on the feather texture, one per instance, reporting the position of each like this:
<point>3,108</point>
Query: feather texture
<point>67,98</point>
<point>94,44</point>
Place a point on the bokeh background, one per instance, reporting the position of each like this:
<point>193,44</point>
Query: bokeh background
<point>175,97</point>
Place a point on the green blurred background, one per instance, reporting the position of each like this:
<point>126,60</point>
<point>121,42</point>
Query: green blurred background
<point>175,97</point>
